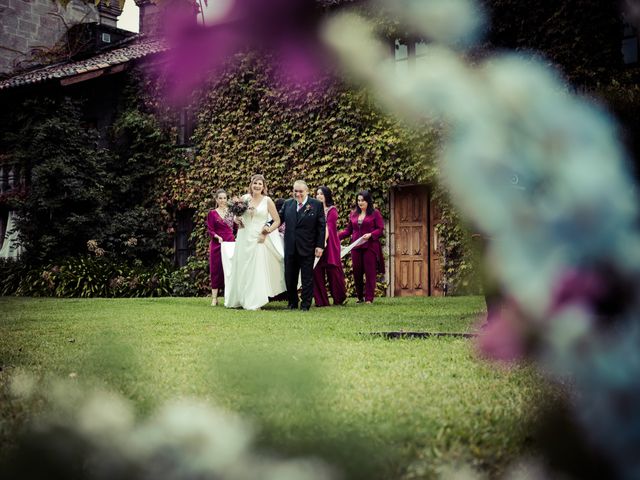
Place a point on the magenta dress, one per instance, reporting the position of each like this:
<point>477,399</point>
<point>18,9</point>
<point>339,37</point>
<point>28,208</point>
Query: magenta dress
<point>367,259</point>
<point>329,267</point>
<point>224,227</point>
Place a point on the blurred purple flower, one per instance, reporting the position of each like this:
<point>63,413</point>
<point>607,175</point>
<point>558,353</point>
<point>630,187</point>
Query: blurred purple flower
<point>503,337</point>
<point>288,30</point>
<point>509,335</point>
<point>605,291</point>
<point>577,287</point>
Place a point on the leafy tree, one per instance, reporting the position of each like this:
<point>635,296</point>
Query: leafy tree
<point>65,203</point>
<point>78,191</point>
<point>140,148</point>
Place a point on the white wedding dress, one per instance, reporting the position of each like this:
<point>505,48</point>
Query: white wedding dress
<point>255,270</point>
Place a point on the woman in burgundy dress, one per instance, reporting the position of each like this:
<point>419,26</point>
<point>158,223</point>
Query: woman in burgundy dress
<point>221,229</point>
<point>329,267</point>
<point>366,222</point>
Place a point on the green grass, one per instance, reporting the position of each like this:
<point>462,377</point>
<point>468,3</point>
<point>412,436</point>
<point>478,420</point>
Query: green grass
<point>313,382</point>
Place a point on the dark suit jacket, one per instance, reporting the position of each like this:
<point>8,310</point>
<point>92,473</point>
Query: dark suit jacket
<point>305,230</point>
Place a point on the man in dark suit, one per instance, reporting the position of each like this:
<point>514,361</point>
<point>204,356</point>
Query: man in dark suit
<point>304,237</point>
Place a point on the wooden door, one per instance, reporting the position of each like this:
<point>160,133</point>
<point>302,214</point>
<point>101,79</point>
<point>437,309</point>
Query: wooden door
<point>435,257</point>
<point>411,259</point>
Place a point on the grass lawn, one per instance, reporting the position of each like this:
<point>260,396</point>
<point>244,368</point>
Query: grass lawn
<point>312,382</point>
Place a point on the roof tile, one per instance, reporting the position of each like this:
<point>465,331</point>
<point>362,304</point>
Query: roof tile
<point>141,47</point>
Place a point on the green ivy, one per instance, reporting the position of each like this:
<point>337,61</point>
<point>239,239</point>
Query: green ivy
<point>250,123</point>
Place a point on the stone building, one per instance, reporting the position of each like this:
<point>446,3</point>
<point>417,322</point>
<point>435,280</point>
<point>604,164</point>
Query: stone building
<point>32,28</point>
<point>97,72</point>
<point>77,52</point>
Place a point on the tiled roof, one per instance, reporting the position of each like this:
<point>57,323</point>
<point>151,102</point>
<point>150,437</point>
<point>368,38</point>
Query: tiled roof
<point>138,48</point>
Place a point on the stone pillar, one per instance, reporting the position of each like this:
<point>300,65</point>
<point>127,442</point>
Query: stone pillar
<point>152,15</point>
<point>109,12</point>
<point>149,17</point>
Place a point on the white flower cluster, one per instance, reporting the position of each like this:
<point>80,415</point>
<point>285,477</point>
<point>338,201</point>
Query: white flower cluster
<point>183,440</point>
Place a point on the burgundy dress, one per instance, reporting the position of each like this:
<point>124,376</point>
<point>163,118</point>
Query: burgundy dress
<point>329,267</point>
<point>224,227</point>
<point>367,259</point>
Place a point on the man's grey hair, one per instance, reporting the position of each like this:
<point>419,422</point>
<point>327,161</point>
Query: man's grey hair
<point>301,182</point>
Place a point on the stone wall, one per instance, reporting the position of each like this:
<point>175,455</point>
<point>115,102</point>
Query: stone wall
<point>31,25</point>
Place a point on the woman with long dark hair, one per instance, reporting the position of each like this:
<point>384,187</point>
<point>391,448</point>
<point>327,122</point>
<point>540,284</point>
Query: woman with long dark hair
<point>329,267</point>
<point>365,222</point>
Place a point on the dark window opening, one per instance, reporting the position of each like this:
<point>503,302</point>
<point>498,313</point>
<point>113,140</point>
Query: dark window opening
<point>630,44</point>
<point>184,246</point>
<point>186,126</point>
<point>10,177</point>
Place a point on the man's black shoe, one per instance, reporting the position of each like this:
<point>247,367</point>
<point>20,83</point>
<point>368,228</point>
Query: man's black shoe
<point>304,309</point>
<point>292,307</point>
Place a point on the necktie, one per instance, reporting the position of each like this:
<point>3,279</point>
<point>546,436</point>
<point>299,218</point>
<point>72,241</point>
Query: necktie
<point>299,207</point>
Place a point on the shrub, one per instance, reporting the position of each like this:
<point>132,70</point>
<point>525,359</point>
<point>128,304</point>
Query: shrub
<point>192,280</point>
<point>86,276</point>
<point>11,274</point>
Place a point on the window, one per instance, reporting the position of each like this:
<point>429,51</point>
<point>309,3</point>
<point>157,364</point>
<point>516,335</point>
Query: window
<point>186,125</point>
<point>9,177</point>
<point>630,44</point>
<point>184,247</point>
<point>406,52</point>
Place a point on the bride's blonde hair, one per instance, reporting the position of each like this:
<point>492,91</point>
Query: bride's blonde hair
<point>255,177</point>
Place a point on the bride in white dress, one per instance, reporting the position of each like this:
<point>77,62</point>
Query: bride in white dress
<point>257,266</point>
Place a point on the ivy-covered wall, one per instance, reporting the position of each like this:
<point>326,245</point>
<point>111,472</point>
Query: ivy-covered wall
<point>250,123</point>
<point>126,183</point>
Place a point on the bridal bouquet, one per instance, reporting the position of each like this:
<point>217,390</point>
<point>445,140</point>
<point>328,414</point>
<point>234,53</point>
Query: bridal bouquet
<point>238,206</point>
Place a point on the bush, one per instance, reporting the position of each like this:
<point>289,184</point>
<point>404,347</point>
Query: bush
<point>92,276</point>
<point>86,277</point>
<point>192,280</point>
<point>11,273</point>
<point>149,282</point>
